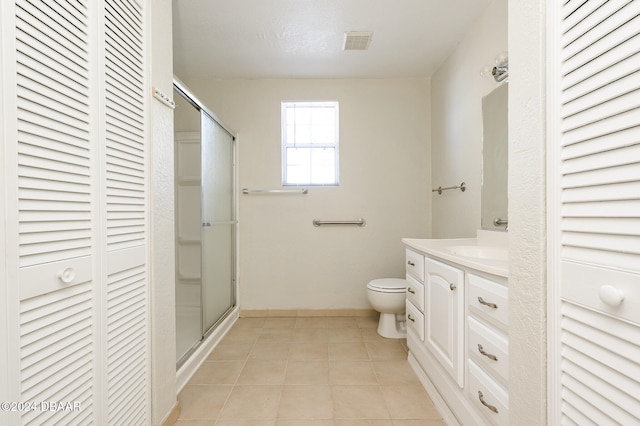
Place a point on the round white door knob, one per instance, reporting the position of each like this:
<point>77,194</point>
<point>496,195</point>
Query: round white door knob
<point>610,295</point>
<point>67,275</point>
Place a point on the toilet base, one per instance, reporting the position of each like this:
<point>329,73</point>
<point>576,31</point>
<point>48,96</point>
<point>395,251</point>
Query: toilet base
<point>391,328</point>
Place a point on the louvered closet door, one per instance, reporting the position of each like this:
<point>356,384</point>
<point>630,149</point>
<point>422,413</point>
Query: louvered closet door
<point>125,167</point>
<point>80,225</point>
<point>596,155</point>
<point>55,219</point>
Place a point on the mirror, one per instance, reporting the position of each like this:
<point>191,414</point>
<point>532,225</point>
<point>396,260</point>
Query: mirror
<point>494,159</point>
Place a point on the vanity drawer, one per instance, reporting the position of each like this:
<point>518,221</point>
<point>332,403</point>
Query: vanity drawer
<point>488,298</point>
<point>415,265</point>
<point>415,320</point>
<point>488,396</point>
<point>490,348</point>
<point>415,292</point>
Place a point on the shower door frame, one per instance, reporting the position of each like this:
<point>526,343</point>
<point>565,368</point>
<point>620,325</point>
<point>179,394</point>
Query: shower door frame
<point>184,91</point>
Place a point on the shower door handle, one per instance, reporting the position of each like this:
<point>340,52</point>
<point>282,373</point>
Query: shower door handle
<point>219,222</point>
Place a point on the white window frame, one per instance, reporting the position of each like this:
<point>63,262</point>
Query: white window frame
<point>293,144</point>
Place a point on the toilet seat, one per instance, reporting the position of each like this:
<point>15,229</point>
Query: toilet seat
<point>388,285</point>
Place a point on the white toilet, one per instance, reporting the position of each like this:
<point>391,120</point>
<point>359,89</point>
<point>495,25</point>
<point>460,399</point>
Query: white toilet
<point>387,296</point>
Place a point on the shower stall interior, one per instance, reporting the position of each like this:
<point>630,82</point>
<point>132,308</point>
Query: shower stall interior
<point>205,221</point>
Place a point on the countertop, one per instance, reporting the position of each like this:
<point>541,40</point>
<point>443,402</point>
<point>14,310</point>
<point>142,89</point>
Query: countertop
<point>441,248</point>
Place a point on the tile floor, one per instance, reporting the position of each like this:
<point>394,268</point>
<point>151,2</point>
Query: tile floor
<point>321,371</point>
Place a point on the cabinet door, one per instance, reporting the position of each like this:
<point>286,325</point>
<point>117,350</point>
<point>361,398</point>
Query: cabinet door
<point>444,316</point>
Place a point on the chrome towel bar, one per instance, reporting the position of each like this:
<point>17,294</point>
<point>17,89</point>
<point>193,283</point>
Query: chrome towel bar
<point>275,191</point>
<point>359,222</point>
<point>462,187</point>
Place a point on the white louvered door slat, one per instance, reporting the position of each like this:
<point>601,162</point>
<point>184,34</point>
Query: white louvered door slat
<point>595,211</point>
<point>57,351</point>
<point>125,131</point>
<point>601,23</point>
<point>607,169</point>
<point>575,11</point>
<point>608,60</point>
<point>126,294</point>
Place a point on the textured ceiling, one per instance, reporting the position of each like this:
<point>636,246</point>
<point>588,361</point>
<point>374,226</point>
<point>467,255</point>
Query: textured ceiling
<point>304,38</point>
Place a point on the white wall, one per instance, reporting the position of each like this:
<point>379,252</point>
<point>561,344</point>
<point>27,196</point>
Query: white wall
<point>163,318</point>
<point>527,213</point>
<point>286,262</point>
<point>456,137</point>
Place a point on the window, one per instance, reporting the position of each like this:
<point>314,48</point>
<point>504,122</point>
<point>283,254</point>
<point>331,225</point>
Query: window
<point>310,143</point>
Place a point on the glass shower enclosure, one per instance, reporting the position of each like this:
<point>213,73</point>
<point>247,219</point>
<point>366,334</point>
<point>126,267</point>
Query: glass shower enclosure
<point>205,221</point>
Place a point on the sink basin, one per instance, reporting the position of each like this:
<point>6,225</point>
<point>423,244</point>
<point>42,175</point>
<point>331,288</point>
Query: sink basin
<point>481,252</point>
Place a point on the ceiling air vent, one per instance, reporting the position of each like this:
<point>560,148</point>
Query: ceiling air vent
<point>357,40</point>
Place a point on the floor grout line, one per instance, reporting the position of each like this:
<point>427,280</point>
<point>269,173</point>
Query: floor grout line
<point>247,332</point>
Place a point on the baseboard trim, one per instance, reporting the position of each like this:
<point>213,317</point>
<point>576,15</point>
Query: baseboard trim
<point>173,416</point>
<point>289,313</point>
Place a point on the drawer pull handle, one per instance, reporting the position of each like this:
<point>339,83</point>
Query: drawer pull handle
<point>490,407</point>
<point>410,290</point>
<point>410,263</point>
<point>67,275</point>
<point>410,319</point>
<point>491,305</point>
<point>611,296</point>
<point>452,286</point>
<point>481,350</point>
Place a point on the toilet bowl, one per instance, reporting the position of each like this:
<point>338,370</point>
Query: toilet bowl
<point>387,296</point>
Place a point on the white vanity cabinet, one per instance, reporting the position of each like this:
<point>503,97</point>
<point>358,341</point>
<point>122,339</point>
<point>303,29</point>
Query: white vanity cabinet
<point>457,318</point>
